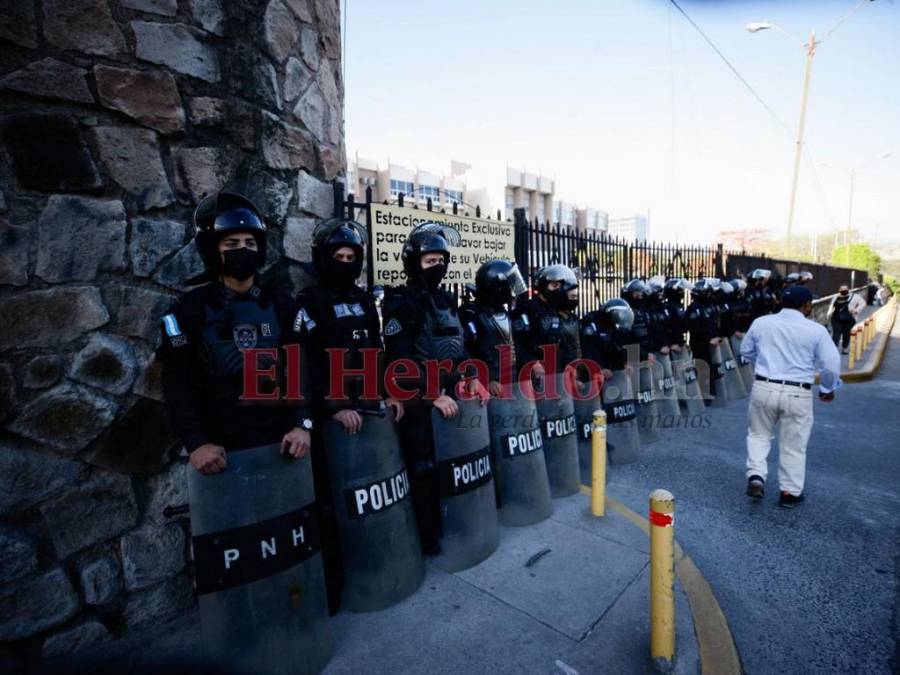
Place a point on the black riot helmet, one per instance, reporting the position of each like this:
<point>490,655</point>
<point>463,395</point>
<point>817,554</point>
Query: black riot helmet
<point>739,286</point>
<point>566,296</point>
<point>703,288</point>
<point>221,214</point>
<point>760,276</point>
<point>636,292</point>
<point>657,287</point>
<point>674,289</point>
<point>331,235</point>
<point>427,237</point>
<point>616,316</point>
<point>805,277</point>
<point>498,282</point>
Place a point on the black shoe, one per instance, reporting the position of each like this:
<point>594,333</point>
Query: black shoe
<point>756,487</point>
<point>789,501</point>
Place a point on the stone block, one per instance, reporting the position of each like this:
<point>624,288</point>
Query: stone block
<point>14,243</point>
<point>271,195</point>
<point>333,164</point>
<point>73,639</point>
<point>18,556</point>
<point>152,554</point>
<point>329,22</point>
<point>280,30</point>
<point>163,7</point>
<point>309,47</point>
<point>67,417</point>
<point>178,269</point>
<point>312,110</point>
<point>202,171</point>
<point>94,511</point>
<point>43,371</point>
<point>51,317</point>
<point>36,604</point>
<point>28,477</point>
<point>151,241</point>
<point>140,442</point>
<point>149,97</point>
<point>286,146</point>
<point>298,238</point>
<point>314,196</point>
<point>49,78</point>
<point>106,362</point>
<point>101,580</point>
<point>254,78</point>
<point>296,79</point>
<point>137,310</point>
<point>209,14</point>
<point>301,10</point>
<point>132,158</point>
<point>206,111</point>
<point>79,236</point>
<point>18,24</point>
<point>85,26</point>
<point>7,391</point>
<point>149,380</point>
<point>49,153</point>
<point>161,602</point>
<point>177,46</point>
<point>167,488</point>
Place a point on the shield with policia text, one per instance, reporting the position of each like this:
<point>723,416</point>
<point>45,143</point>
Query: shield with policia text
<point>585,405</point>
<point>379,541</point>
<point>259,578</point>
<point>622,438</point>
<point>518,453</point>
<point>557,416</point>
<point>734,383</point>
<point>687,381</point>
<point>647,412</point>
<point>745,367</point>
<point>465,476</point>
<point>717,374</point>
<point>664,390</point>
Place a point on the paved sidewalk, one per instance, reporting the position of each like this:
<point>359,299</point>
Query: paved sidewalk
<point>581,607</point>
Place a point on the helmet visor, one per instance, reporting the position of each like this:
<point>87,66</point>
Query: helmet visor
<point>515,281</point>
<point>237,219</point>
<point>450,234</point>
<point>323,231</point>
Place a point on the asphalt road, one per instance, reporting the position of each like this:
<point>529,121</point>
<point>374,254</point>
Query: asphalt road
<point>809,590</point>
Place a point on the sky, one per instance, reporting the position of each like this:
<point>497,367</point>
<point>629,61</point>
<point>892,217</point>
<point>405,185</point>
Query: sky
<point>631,111</point>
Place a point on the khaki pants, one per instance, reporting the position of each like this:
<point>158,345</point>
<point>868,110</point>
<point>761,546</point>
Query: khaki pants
<point>791,408</point>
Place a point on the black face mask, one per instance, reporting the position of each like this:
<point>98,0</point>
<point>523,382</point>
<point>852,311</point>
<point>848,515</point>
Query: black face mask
<point>844,294</point>
<point>556,298</point>
<point>433,276</point>
<point>570,304</point>
<point>240,263</point>
<point>341,275</point>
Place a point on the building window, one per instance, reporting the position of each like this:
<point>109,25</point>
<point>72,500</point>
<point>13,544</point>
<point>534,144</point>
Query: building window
<point>453,196</point>
<point>398,186</point>
<point>426,191</point>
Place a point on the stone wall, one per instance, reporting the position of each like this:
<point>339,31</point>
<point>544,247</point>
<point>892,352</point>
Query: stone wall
<point>116,117</point>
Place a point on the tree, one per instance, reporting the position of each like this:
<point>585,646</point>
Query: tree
<point>857,256</point>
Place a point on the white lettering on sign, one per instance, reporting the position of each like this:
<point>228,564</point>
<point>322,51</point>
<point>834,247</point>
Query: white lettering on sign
<point>231,554</point>
<point>645,396</point>
<point>298,536</point>
<point>268,548</point>
<point>471,471</point>
<point>381,494</point>
<point>560,427</point>
<point>522,444</point>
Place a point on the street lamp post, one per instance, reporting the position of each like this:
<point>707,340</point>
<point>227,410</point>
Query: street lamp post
<point>883,155</point>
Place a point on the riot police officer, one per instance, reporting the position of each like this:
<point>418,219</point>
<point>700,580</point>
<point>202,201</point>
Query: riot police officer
<point>486,319</point>
<point>659,315</point>
<point>421,323</point>
<point>605,333</point>
<point>637,293</point>
<point>548,319</point>
<point>762,301</point>
<point>676,324</point>
<point>741,309</point>
<point>722,293</point>
<point>335,314</point>
<point>204,333</point>
<point>703,320</point>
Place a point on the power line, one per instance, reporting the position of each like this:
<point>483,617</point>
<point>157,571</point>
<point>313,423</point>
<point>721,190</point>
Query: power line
<point>731,67</point>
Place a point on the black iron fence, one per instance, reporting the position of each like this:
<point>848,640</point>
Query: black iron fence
<point>605,263</point>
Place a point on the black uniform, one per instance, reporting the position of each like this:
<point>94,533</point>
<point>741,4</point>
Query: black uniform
<point>485,329</point>
<point>420,324</point>
<point>658,315</point>
<point>703,319</point>
<point>741,313</point>
<point>203,365</point>
<point>676,324</point>
<point>762,300</point>
<point>842,321</point>
<point>536,324</point>
<point>602,345</point>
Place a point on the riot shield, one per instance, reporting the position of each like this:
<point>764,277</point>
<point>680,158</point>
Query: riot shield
<point>664,392</point>
<point>745,367</point>
<point>557,417</point>
<point>518,452</point>
<point>686,376</point>
<point>622,438</point>
<point>379,542</point>
<point>259,578</point>
<point>717,374</point>
<point>584,418</point>
<point>647,412</point>
<point>734,383</point>
<point>465,477</point>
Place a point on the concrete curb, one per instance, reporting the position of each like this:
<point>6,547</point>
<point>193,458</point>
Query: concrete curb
<point>718,652</point>
<point>884,337</point>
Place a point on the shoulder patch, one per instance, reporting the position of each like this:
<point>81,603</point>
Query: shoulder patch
<point>590,329</point>
<point>170,323</point>
<point>392,327</point>
<point>302,319</point>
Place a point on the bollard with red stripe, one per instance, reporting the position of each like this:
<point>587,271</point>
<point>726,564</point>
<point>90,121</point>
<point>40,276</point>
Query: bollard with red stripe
<point>662,576</point>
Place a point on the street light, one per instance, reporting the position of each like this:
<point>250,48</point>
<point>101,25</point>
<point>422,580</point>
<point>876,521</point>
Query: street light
<point>810,48</point>
<point>883,155</point>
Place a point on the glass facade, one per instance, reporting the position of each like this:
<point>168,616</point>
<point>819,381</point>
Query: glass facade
<point>398,186</point>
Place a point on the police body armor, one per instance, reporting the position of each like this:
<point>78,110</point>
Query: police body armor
<point>556,412</point>
<point>441,335</point>
<point>517,446</point>
<point>465,476</point>
<point>490,329</point>
<point>259,579</point>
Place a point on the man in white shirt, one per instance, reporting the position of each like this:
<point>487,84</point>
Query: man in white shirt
<point>787,349</point>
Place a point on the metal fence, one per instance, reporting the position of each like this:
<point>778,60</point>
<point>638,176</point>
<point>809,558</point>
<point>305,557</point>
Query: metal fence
<point>605,263</point>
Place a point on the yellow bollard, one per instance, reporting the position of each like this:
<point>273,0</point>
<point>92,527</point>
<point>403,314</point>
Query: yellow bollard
<point>859,345</point>
<point>598,463</point>
<point>851,352</point>
<point>662,576</point>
